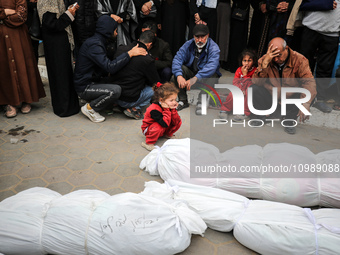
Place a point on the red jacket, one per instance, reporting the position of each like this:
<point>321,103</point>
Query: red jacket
<point>164,116</point>
<point>243,82</point>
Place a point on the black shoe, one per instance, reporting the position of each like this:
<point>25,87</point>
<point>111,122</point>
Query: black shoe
<point>290,130</point>
<point>322,106</point>
<point>182,105</point>
<point>256,123</point>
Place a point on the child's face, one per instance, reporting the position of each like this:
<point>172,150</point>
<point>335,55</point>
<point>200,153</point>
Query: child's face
<point>171,101</point>
<point>247,61</point>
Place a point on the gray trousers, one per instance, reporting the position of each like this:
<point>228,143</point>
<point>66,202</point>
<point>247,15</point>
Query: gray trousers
<point>101,96</point>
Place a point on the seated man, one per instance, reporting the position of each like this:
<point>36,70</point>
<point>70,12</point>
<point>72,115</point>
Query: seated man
<point>137,77</point>
<point>161,52</point>
<point>92,57</point>
<point>278,63</point>
<point>198,58</point>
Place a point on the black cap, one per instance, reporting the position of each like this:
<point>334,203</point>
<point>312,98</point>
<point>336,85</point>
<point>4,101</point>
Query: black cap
<point>200,30</point>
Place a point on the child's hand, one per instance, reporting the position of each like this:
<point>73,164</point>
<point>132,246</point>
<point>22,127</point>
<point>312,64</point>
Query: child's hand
<point>244,70</point>
<point>164,105</point>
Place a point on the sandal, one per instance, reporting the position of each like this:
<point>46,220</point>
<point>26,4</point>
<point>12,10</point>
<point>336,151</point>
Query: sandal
<point>336,107</point>
<point>132,113</point>
<point>11,111</point>
<point>147,146</point>
<point>25,108</point>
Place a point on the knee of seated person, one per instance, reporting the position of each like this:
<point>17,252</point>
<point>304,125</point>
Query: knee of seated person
<point>167,71</point>
<point>156,128</point>
<point>115,91</point>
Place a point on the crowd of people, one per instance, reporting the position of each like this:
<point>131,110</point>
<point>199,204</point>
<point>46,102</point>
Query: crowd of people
<point>112,53</point>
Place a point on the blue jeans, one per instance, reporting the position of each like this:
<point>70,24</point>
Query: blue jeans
<point>143,100</point>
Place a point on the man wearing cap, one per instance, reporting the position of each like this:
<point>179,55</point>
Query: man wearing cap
<point>197,59</point>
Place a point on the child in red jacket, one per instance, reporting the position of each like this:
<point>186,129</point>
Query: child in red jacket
<point>161,117</point>
<point>243,80</point>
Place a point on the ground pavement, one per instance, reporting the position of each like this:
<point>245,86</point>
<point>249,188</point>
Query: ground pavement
<point>67,154</point>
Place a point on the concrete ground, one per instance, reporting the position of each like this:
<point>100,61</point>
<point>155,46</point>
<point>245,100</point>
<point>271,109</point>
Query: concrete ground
<point>67,154</point>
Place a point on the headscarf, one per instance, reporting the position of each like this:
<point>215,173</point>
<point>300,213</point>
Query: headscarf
<point>58,7</point>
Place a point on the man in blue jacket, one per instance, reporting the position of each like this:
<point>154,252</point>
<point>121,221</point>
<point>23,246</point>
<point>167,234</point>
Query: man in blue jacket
<point>197,59</point>
<point>93,64</point>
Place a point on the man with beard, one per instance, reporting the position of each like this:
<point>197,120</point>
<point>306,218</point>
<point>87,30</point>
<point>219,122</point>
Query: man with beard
<point>93,65</point>
<point>197,59</point>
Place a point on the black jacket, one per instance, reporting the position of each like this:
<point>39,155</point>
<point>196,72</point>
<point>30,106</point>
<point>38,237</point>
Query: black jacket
<point>161,52</point>
<point>92,55</point>
<point>140,71</point>
<point>84,25</point>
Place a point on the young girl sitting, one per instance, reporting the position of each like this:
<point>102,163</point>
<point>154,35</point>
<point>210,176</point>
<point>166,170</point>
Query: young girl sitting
<point>161,117</point>
<point>242,80</point>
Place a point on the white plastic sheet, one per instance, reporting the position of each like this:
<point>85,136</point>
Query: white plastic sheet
<point>263,226</point>
<point>41,221</point>
<point>172,161</point>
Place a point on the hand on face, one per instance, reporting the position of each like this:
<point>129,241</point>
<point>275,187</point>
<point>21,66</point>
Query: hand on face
<point>247,64</point>
<point>164,105</point>
<point>244,70</point>
<point>272,52</point>
<point>170,102</point>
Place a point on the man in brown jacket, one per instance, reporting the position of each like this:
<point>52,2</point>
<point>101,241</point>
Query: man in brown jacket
<point>280,67</point>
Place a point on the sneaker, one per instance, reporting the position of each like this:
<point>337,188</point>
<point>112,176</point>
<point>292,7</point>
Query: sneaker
<point>223,115</point>
<point>322,106</point>
<point>149,147</point>
<point>239,118</point>
<point>182,105</point>
<point>91,114</point>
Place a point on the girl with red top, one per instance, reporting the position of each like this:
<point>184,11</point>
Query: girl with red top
<point>243,80</point>
<point>161,117</point>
